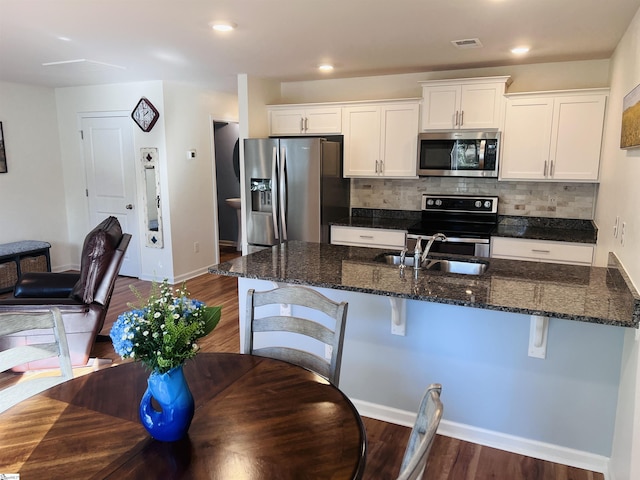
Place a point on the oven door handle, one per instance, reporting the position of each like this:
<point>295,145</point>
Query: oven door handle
<point>449,239</point>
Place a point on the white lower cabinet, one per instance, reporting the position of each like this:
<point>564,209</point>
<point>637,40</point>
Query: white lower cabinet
<point>542,250</point>
<point>368,237</point>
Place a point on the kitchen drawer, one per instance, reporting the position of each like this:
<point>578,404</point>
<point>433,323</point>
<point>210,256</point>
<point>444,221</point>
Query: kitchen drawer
<point>542,250</point>
<point>368,237</point>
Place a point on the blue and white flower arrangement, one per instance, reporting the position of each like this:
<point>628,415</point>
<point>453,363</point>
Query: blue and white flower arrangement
<point>162,333</point>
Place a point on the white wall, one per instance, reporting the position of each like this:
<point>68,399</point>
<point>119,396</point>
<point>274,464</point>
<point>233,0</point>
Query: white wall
<point>189,115</point>
<point>32,192</point>
<point>526,78</point>
<point>185,123</point>
<point>619,196</point>
<point>123,97</point>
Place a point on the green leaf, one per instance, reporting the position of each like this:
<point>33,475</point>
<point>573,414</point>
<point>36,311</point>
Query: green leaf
<point>211,318</point>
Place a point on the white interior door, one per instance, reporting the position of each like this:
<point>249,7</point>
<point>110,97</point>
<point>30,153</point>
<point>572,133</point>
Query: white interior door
<point>111,179</point>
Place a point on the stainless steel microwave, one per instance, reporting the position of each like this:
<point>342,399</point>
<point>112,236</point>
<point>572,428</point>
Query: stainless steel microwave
<point>472,153</point>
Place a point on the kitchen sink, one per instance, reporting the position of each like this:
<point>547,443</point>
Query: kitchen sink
<point>462,267</point>
<point>457,266</point>
<point>394,259</point>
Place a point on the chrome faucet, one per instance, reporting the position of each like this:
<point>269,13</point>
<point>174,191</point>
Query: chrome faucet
<point>403,254</point>
<point>436,236</point>
<point>417,262</point>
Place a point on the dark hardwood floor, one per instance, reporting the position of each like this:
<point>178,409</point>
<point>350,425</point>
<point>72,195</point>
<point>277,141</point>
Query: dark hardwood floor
<point>450,459</point>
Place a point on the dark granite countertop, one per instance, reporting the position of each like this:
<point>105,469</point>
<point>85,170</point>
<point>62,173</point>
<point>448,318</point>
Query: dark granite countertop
<point>540,228</point>
<point>379,218</point>
<point>589,294</point>
<point>535,228</point>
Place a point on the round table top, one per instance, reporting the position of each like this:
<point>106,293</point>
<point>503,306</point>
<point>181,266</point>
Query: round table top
<point>255,419</point>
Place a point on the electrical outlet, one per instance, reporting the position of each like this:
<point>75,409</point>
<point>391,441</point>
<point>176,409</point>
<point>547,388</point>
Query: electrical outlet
<point>552,201</point>
<point>196,247</point>
<point>615,227</point>
<point>622,229</point>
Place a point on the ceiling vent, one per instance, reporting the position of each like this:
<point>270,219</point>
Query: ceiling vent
<point>467,43</point>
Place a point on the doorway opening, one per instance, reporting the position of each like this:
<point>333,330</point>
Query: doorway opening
<point>227,155</point>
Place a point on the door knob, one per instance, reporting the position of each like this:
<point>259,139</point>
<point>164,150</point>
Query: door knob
<point>129,207</point>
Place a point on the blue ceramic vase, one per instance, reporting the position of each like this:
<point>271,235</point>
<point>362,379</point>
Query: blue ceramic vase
<point>171,392</point>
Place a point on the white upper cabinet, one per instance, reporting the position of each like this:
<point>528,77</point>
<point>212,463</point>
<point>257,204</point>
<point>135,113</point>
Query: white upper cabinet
<point>555,136</point>
<point>381,139</point>
<point>305,120</point>
<point>466,103</point>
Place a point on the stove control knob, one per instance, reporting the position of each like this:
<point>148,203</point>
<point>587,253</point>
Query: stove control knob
<point>487,204</point>
<point>478,204</point>
<point>438,203</point>
<point>429,202</point>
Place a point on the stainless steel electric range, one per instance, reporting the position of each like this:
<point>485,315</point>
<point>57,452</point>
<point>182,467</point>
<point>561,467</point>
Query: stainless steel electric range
<point>466,221</point>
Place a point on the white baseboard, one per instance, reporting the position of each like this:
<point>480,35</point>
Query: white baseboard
<point>502,441</point>
<point>188,276</point>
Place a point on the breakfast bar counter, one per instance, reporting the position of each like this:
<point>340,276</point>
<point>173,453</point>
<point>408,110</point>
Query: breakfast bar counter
<point>587,294</point>
<point>474,334</point>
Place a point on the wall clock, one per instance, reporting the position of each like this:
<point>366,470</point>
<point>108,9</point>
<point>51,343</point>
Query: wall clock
<point>145,115</point>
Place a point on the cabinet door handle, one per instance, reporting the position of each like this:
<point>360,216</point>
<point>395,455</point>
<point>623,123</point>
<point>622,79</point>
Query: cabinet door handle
<point>537,250</point>
<point>306,124</point>
<point>461,117</point>
<point>456,123</point>
<point>376,166</point>
<point>381,166</point>
<point>366,236</point>
<point>545,168</point>
<point>301,124</point>
<point>551,169</point>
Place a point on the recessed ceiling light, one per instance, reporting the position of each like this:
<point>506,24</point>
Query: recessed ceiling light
<point>519,50</point>
<point>223,26</point>
<point>325,67</point>
<point>64,39</point>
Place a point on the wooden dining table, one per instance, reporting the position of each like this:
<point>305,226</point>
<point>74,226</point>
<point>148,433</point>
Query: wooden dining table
<point>255,419</point>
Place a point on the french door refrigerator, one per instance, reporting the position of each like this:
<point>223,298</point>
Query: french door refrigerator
<point>294,188</point>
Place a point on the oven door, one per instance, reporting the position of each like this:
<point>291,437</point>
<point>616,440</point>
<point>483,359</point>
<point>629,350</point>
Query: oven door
<point>475,247</point>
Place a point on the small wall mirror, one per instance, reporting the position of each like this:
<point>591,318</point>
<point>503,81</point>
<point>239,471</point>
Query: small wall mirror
<point>151,191</point>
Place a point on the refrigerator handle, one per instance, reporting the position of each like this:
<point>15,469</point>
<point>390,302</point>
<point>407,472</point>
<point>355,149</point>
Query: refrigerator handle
<point>274,195</point>
<point>283,192</point>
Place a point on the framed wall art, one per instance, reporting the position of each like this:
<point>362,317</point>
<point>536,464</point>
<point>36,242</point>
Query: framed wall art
<point>3,154</point>
<point>630,132</point>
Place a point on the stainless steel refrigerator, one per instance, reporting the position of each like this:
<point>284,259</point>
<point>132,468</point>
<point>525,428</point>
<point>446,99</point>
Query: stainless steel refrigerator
<point>294,188</point>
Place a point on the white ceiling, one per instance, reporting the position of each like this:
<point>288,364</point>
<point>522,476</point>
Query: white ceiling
<point>287,39</point>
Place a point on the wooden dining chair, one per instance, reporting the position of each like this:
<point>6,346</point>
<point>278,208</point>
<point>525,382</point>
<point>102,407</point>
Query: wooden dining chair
<point>422,434</point>
<point>11,323</point>
<point>304,297</point>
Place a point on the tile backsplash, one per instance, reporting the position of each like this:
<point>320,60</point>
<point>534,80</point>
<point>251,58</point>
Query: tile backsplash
<point>531,199</point>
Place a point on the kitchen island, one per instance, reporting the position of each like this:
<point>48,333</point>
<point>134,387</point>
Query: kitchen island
<point>471,333</point>
<point>572,292</point>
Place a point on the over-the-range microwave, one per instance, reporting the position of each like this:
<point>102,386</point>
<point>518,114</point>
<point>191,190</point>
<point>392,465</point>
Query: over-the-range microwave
<point>472,153</point>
